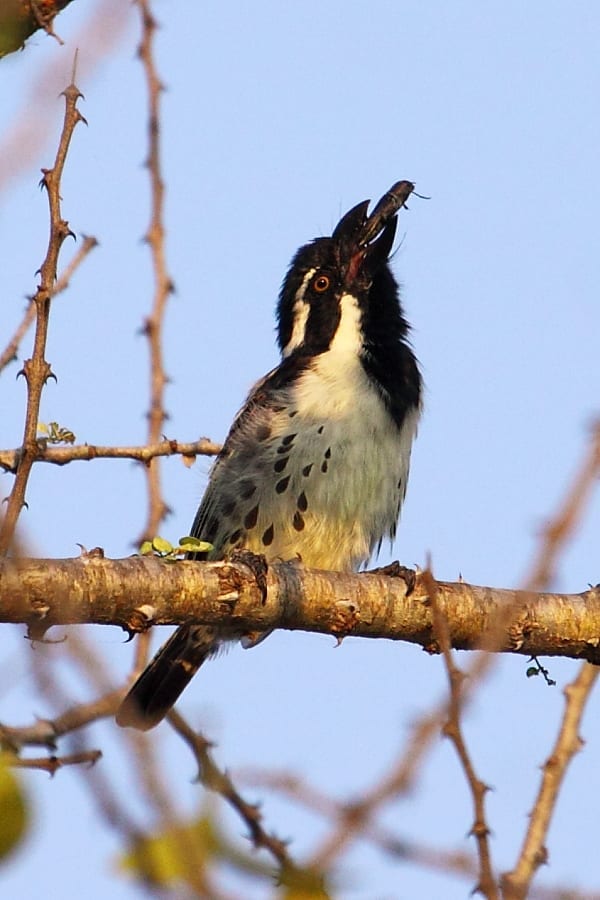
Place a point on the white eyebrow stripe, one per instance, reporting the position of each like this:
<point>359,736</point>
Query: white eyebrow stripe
<point>301,311</point>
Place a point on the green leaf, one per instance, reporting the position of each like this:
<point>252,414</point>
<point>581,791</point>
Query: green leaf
<point>161,545</point>
<point>191,544</point>
<point>14,818</point>
<point>531,671</point>
<point>146,548</point>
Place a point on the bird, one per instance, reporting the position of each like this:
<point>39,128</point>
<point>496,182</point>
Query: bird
<point>315,465</point>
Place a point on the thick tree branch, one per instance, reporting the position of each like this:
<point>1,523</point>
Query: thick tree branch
<point>138,592</point>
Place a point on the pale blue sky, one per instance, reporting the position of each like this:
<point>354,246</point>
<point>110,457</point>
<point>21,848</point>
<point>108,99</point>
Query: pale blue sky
<point>276,120</point>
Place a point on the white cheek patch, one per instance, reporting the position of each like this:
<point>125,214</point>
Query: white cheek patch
<point>347,340</point>
<point>301,311</point>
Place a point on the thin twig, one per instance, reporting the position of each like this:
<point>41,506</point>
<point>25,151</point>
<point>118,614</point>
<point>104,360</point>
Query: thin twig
<point>10,352</point>
<point>516,884</point>
<point>163,285</point>
<point>356,815</point>
<point>37,370</point>
<point>405,849</point>
<point>486,885</point>
<point>214,779</point>
<point>60,456</point>
<point>46,732</point>
<point>562,526</point>
<point>401,849</point>
<point>555,535</point>
<point>52,764</point>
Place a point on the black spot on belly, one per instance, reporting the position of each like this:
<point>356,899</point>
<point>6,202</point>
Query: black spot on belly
<point>298,522</point>
<point>280,464</point>
<point>287,440</point>
<point>306,470</point>
<point>320,429</point>
<point>282,484</point>
<point>328,453</point>
<point>268,535</point>
<point>302,502</point>
<point>247,489</point>
<point>235,535</point>
<point>324,466</point>
<point>293,413</point>
<point>263,433</point>
<point>251,517</point>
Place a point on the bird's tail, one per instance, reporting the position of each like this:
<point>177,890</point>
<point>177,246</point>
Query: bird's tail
<point>165,677</point>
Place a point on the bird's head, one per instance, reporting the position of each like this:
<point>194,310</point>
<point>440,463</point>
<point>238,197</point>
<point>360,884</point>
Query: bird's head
<point>345,274</point>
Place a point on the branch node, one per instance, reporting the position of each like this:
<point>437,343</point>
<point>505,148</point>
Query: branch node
<point>347,617</point>
<point>140,620</point>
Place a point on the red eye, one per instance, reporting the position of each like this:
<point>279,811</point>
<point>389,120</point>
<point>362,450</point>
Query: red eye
<point>322,283</point>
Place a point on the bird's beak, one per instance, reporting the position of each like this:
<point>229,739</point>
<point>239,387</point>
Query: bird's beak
<point>366,241</point>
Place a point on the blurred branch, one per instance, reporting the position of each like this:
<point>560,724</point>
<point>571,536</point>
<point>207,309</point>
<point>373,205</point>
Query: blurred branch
<point>516,884</point>
<point>486,885</point>
<point>52,764</point>
<point>139,591</point>
<point>213,778</point>
<point>45,732</point>
<point>37,370</point>
<point>10,352</point>
<point>26,136</point>
<point>404,850</point>
<point>163,286</point>
<point>60,456</point>
<point>19,19</point>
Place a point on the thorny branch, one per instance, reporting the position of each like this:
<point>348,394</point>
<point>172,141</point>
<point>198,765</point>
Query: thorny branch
<point>453,730</point>
<point>52,764</point>
<point>213,778</point>
<point>108,799</point>
<point>405,849</point>
<point>516,884</point>
<point>60,456</point>
<point>155,236</point>
<point>46,732</point>
<point>37,370</point>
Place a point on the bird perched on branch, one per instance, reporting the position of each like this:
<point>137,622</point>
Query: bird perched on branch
<point>316,463</point>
